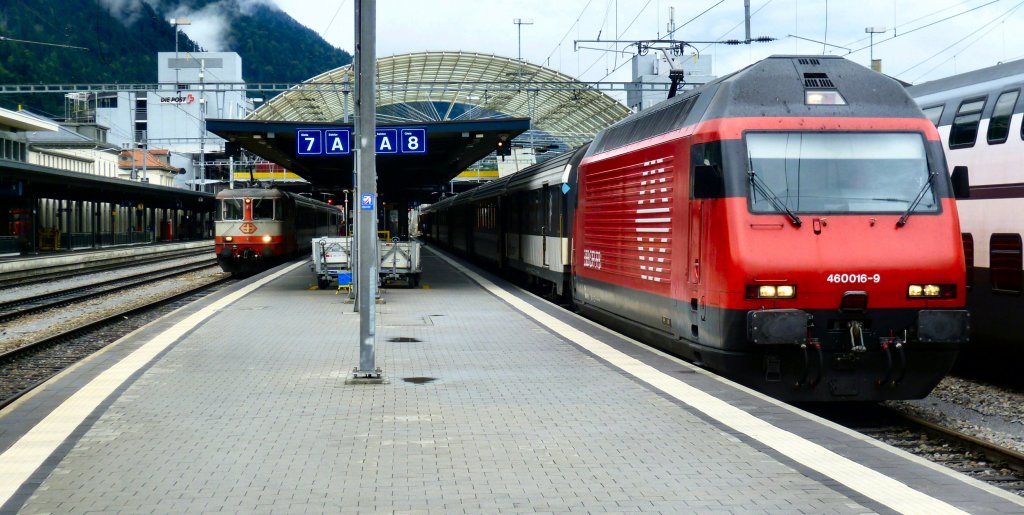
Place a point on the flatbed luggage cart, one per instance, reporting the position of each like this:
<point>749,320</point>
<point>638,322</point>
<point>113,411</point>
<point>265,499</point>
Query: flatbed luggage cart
<point>332,261</point>
<point>400,260</point>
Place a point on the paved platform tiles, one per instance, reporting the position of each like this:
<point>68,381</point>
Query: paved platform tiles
<point>486,410</point>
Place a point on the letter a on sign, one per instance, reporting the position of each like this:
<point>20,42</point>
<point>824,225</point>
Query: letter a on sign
<point>337,142</point>
<point>387,141</point>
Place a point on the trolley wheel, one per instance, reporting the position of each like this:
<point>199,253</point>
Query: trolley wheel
<point>322,283</point>
<point>414,280</point>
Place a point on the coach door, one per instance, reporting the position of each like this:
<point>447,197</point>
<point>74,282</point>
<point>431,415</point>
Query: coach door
<point>694,263</point>
<point>499,229</point>
<point>545,208</point>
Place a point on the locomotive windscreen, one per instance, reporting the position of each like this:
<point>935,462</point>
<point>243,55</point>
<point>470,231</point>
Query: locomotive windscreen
<point>837,172</point>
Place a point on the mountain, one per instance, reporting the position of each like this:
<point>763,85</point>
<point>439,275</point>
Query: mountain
<point>122,37</point>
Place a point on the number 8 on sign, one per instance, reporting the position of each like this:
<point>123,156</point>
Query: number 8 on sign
<point>413,141</point>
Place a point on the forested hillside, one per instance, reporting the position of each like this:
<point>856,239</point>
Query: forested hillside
<point>122,38</point>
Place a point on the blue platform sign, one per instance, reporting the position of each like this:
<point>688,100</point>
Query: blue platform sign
<point>413,141</point>
<point>337,142</point>
<point>366,201</point>
<point>387,141</point>
<point>309,142</point>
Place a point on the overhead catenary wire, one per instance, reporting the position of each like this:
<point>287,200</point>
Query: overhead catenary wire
<point>734,27</point>
<point>990,25</point>
<point>669,34</point>
<point>902,34</point>
<point>567,32</point>
<point>609,49</point>
<point>338,10</point>
<point>909,22</point>
<point>26,41</point>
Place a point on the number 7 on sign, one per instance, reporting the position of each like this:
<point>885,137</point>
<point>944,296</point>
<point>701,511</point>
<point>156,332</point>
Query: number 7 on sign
<point>309,142</point>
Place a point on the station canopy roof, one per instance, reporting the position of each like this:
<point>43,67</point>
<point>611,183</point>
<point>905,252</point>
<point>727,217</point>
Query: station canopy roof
<point>467,100</point>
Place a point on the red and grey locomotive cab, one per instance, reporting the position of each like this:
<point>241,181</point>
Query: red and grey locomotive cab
<point>791,225</point>
<point>251,229</point>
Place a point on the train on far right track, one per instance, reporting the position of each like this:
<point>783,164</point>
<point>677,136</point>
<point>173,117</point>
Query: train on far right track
<point>791,226</point>
<point>979,118</point>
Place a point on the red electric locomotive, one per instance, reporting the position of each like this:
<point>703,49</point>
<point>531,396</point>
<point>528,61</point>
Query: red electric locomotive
<point>791,225</point>
<point>257,228</point>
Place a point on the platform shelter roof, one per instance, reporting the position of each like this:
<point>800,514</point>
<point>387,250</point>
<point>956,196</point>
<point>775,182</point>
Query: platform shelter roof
<point>443,86</point>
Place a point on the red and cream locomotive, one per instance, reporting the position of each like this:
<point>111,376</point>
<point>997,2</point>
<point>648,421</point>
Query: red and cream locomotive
<point>257,228</point>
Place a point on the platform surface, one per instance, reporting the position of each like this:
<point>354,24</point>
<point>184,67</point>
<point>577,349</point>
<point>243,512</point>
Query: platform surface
<point>495,402</point>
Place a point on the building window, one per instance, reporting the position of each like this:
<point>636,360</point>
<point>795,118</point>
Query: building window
<point>934,113</point>
<point>965,126</point>
<point>999,123</point>
<point>1006,263</point>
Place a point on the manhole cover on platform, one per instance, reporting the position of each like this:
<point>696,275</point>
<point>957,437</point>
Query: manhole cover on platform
<point>419,380</point>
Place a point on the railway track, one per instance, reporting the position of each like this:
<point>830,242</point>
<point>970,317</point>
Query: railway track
<point>31,364</point>
<point>16,308</point>
<point>37,274</point>
<point>975,457</point>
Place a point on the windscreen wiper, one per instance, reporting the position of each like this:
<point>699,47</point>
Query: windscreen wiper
<point>770,195</point>
<point>917,200</point>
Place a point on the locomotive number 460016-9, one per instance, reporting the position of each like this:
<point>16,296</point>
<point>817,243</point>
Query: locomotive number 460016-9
<point>854,278</point>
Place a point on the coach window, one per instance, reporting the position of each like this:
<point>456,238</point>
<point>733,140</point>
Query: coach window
<point>999,124</point>
<point>934,113</point>
<point>534,216</point>
<point>965,126</point>
<point>968,240</point>
<point>1005,263</point>
<point>262,209</point>
<point>553,223</point>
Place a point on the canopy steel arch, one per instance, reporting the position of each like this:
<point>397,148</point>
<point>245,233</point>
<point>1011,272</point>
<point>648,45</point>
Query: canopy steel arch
<point>489,86</point>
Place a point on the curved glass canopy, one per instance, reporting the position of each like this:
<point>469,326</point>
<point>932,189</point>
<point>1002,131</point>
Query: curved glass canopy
<point>440,86</point>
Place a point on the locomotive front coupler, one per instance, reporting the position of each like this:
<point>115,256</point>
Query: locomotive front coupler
<point>815,344</point>
<point>887,344</point>
<point>857,336</point>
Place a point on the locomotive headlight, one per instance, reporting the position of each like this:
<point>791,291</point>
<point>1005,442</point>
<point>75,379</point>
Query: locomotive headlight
<point>931,291</point>
<point>266,239</point>
<point>769,291</point>
<point>817,97</point>
<point>229,239</point>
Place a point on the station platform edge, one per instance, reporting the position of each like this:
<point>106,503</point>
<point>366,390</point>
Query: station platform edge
<point>495,401</point>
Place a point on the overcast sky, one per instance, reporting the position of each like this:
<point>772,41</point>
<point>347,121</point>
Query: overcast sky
<point>923,39</point>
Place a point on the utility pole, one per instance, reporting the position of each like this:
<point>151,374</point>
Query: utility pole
<point>875,65</point>
<point>202,126</point>
<point>519,25</point>
<point>366,173</point>
<point>746,18</point>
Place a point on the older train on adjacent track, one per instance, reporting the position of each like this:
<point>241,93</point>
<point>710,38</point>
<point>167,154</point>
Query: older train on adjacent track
<point>791,226</point>
<point>257,228</point>
<point>979,119</point>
